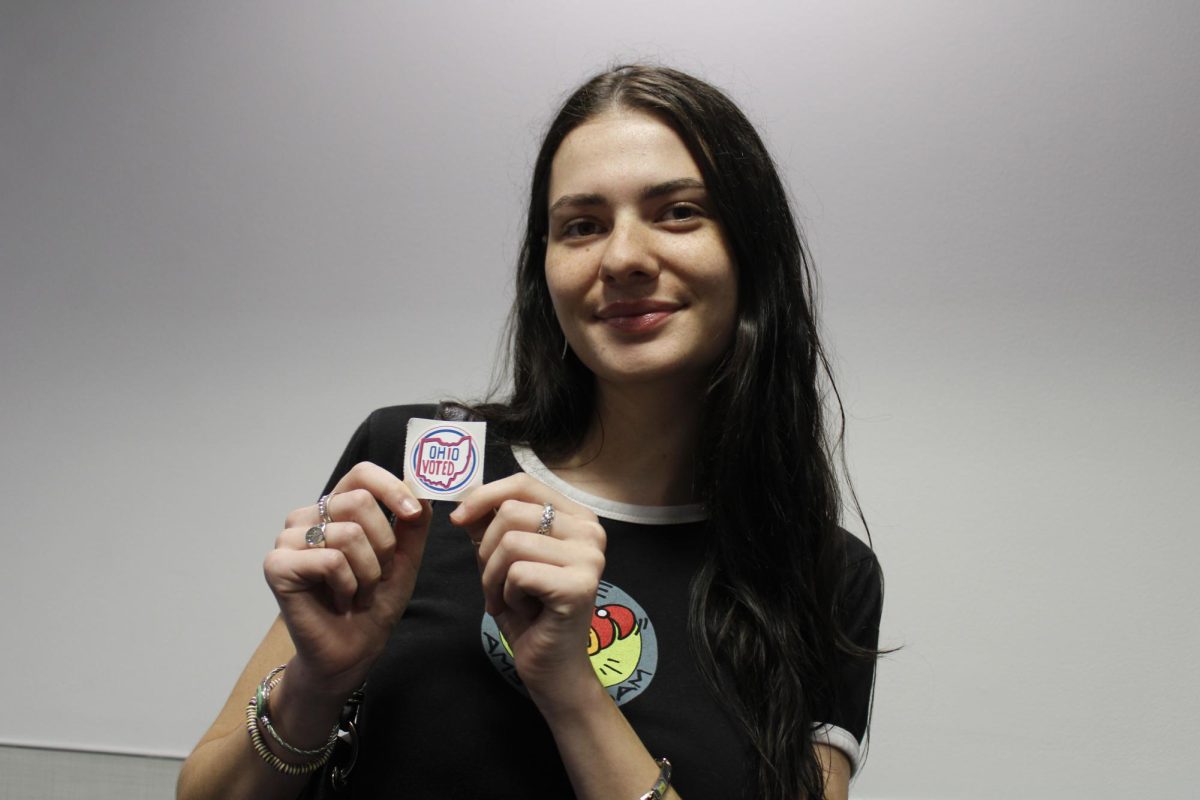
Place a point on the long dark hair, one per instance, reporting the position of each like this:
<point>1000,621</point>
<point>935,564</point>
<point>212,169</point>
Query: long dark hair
<point>764,607</point>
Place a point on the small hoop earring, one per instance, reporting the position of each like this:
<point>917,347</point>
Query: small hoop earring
<point>564,352</point>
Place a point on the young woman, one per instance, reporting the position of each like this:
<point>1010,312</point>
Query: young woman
<point>652,579</point>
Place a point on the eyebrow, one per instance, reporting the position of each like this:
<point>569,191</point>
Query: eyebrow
<point>649,193</point>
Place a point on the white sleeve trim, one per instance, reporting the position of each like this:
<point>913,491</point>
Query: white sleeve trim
<point>843,740</point>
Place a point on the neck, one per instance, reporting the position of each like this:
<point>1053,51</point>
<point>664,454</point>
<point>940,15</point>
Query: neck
<point>640,447</point>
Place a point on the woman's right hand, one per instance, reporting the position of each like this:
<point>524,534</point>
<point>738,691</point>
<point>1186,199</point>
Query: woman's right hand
<point>340,601</point>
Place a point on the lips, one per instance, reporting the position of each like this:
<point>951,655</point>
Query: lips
<point>637,316</point>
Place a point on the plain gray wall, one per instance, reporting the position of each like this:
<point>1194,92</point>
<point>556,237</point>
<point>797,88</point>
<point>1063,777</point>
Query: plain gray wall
<point>229,230</point>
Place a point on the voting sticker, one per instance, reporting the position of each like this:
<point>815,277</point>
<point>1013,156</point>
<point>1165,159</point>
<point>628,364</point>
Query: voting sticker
<point>442,460</point>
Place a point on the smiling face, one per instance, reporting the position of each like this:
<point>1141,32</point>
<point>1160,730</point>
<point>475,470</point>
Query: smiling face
<point>641,278</point>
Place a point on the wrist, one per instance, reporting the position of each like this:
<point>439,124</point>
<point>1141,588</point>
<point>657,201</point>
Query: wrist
<point>319,690</point>
<point>303,713</point>
<point>569,696</point>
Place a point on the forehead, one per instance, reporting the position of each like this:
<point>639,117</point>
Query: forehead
<point>619,151</point>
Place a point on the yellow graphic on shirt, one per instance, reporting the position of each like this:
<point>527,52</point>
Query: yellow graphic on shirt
<point>614,643</point>
<point>621,644</point>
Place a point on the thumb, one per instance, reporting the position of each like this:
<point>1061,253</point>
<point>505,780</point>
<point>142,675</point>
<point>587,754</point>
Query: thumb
<point>411,535</point>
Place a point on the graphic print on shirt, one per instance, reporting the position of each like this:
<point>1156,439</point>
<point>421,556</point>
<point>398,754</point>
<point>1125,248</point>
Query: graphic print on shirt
<point>622,645</point>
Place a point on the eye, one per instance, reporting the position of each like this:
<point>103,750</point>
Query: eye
<point>580,228</point>
<point>682,212</point>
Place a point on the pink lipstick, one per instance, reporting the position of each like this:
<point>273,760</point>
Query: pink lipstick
<point>636,316</point>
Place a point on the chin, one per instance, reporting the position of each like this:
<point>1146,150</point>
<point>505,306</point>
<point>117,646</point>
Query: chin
<point>650,374</point>
<point>646,365</point>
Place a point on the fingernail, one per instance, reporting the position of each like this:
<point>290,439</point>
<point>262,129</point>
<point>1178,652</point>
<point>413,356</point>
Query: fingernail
<point>456,513</point>
<point>410,507</point>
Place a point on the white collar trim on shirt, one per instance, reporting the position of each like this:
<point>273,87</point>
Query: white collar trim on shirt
<point>603,507</point>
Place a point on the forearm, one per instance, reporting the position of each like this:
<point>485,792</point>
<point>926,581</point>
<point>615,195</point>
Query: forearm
<point>603,755</point>
<point>227,767</point>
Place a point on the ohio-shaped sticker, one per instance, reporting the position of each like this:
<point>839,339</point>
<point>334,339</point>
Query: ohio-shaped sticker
<point>443,459</point>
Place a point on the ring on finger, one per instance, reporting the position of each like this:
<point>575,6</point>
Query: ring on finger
<point>315,536</point>
<point>323,508</point>
<point>547,520</point>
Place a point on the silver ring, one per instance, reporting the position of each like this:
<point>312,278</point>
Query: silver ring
<point>323,508</point>
<point>315,536</point>
<point>547,520</point>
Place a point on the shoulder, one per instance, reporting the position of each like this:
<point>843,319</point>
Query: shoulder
<point>387,420</point>
<point>861,588</point>
<point>859,556</point>
<point>380,439</point>
<point>385,429</point>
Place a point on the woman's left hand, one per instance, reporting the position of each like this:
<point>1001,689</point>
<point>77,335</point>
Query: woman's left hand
<point>541,589</point>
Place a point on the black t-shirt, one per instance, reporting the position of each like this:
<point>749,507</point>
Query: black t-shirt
<point>445,715</point>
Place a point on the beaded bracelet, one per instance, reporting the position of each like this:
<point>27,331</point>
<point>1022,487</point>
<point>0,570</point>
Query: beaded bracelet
<point>273,760</point>
<point>257,715</point>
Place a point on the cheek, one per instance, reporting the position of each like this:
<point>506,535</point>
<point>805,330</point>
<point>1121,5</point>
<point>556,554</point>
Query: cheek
<point>570,269</point>
<point>712,263</point>
<point>719,280</point>
<point>564,285</point>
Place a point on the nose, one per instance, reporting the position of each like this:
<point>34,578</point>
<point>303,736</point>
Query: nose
<point>628,254</point>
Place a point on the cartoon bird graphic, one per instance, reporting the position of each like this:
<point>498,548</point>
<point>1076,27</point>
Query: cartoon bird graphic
<point>614,643</point>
